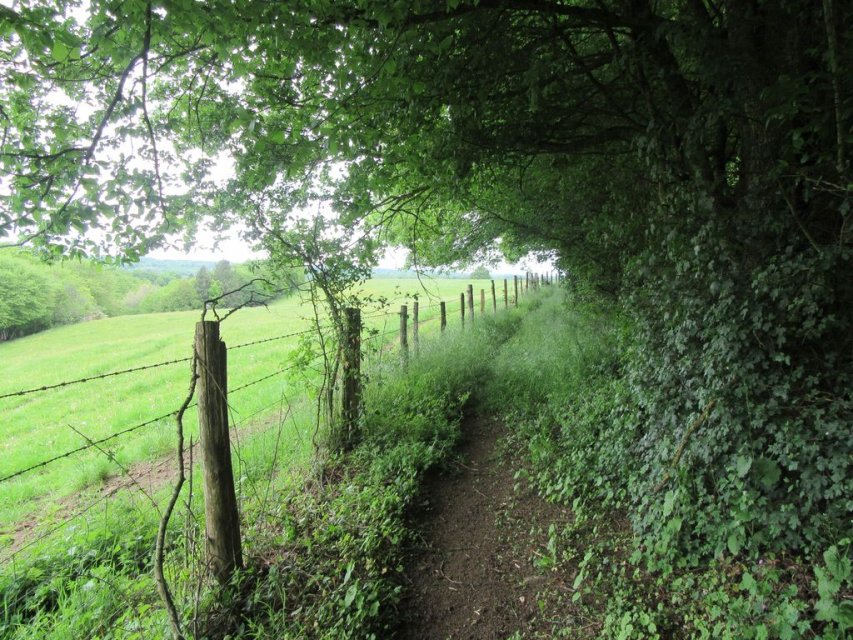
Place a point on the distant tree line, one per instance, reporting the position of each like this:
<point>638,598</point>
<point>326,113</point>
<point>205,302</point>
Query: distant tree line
<point>35,296</point>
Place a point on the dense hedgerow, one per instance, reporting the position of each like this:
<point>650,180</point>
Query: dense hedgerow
<point>703,556</point>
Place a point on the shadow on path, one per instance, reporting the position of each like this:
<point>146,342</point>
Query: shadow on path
<point>473,576</point>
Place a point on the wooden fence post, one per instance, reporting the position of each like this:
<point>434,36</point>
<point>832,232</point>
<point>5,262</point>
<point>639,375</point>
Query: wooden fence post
<point>494,298</point>
<point>506,295</point>
<point>462,308</point>
<point>471,302</point>
<point>443,309</point>
<point>221,520</point>
<point>482,302</point>
<point>404,334</point>
<point>351,396</point>
<point>415,338</point>
<point>526,282</point>
<point>515,285</point>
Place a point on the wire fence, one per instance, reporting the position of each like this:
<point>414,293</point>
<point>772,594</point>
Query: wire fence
<point>376,333</point>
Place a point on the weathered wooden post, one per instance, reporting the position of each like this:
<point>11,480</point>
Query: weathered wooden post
<point>443,309</point>
<point>494,299</point>
<point>221,520</point>
<point>526,282</point>
<point>351,396</point>
<point>515,286</point>
<point>404,335</point>
<point>415,338</point>
<point>506,295</point>
<point>482,302</point>
<point>471,302</point>
<point>462,307</point>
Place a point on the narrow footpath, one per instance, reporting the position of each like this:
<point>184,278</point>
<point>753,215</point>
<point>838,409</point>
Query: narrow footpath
<point>473,574</point>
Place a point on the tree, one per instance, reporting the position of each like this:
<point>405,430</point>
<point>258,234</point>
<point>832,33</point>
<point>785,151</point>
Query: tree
<point>203,280</point>
<point>178,295</point>
<point>26,299</point>
<point>480,273</point>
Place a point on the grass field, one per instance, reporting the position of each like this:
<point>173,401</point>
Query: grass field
<point>39,426</point>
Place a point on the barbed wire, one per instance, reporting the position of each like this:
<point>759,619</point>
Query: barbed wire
<point>145,367</point>
<point>89,445</point>
<point>155,365</point>
<point>263,340</point>
<point>67,383</point>
<point>95,443</point>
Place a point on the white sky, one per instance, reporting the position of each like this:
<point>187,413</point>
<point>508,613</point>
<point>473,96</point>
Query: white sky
<point>234,249</point>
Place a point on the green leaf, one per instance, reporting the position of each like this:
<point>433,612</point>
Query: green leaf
<point>837,564</point>
<point>734,542</point>
<point>350,596</point>
<point>743,465</point>
<point>747,583</point>
<point>60,51</point>
<point>768,472</point>
<point>668,503</point>
<point>277,137</point>
<point>844,615</point>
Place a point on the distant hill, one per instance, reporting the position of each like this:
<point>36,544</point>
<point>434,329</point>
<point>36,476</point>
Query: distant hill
<point>177,267</point>
<point>457,275</point>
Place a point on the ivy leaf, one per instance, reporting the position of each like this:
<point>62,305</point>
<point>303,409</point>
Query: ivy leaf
<point>768,472</point>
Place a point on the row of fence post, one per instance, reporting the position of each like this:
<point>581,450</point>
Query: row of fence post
<point>222,523</point>
<point>466,306</point>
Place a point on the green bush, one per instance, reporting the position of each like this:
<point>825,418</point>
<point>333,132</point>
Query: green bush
<point>703,557</point>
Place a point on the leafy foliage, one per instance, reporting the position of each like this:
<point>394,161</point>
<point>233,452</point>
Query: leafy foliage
<point>638,549</point>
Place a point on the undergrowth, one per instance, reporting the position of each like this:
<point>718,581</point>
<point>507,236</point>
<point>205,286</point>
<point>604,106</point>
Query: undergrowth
<point>634,571</point>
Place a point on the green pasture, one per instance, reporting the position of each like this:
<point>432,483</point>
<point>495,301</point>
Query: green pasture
<point>39,426</point>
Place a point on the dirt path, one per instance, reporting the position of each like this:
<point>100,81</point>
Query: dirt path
<point>473,576</point>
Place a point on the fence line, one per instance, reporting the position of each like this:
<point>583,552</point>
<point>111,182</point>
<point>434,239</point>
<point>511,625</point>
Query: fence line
<point>155,365</point>
<point>145,367</point>
<point>90,444</point>
<point>67,383</point>
<point>94,443</point>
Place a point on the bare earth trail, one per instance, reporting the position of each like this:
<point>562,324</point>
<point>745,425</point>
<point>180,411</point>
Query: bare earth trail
<point>473,576</point>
